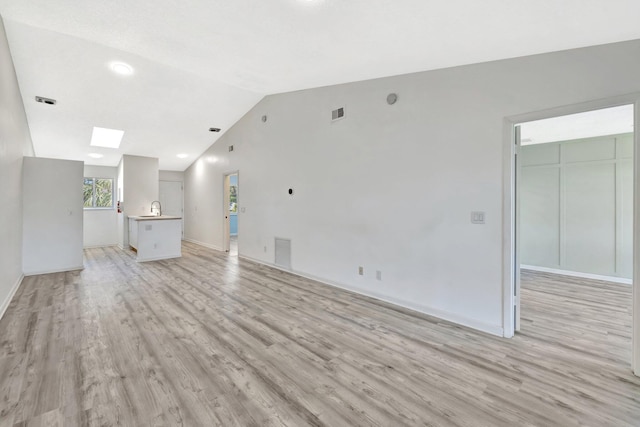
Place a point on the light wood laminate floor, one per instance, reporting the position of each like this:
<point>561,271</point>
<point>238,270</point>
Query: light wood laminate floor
<point>208,340</point>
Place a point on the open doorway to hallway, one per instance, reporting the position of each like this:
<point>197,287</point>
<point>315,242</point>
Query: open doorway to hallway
<point>574,215</point>
<point>231,197</point>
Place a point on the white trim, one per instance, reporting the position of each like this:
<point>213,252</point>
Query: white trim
<point>635,337</point>
<point>62,270</point>
<point>450,317</point>
<point>12,293</point>
<point>101,246</point>
<point>508,229</point>
<point>577,274</point>
<point>158,258</point>
<point>206,245</point>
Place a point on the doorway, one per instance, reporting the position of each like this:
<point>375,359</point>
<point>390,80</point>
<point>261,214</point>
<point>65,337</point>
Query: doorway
<point>231,209</point>
<point>571,206</point>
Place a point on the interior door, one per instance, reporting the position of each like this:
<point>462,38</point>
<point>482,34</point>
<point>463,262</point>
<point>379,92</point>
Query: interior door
<point>225,206</point>
<point>516,252</point>
<point>171,199</point>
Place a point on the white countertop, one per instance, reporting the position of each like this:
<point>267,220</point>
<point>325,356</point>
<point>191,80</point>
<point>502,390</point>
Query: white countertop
<point>153,217</point>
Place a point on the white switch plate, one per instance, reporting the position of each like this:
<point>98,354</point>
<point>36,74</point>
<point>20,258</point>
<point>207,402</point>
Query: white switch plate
<point>477,217</point>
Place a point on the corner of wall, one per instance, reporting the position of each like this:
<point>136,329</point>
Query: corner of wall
<point>15,144</point>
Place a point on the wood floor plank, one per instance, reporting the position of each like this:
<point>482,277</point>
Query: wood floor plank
<point>212,340</point>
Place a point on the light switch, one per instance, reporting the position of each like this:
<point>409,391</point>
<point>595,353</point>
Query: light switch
<point>477,217</point>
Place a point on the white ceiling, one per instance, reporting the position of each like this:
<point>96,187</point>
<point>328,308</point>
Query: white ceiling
<point>607,121</point>
<point>205,63</point>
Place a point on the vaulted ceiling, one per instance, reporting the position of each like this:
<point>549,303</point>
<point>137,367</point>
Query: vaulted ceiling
<point>205,63</point>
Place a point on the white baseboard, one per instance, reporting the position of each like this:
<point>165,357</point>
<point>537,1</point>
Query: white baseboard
<point>159,258</point>
<point>206,245</point>
<point>101,246</point>
<point>430,311</point>
<point>577,274</point>
<point>12,293</point>
<point>37,273</point>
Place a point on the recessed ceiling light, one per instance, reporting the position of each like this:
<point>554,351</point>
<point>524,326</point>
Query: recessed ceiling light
<point>121,68</point>
<point>110,138</point>
<point>182,156</point>
<point>96,155</point>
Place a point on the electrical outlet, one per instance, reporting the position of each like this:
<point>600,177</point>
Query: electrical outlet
<point>477,217</point>
<point>361,271</point>
<point>378,274</point>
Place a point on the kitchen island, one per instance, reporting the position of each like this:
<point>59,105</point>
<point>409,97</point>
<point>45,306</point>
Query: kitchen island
<point>155,237</point>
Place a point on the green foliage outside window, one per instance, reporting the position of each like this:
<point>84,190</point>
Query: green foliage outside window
<point>98,193</point>
<point>233,198</point>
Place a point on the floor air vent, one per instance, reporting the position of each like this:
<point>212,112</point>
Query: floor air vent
<point>283,253</point>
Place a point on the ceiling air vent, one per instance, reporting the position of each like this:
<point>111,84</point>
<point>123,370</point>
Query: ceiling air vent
<point>44,100</point>
<point>337,114</point>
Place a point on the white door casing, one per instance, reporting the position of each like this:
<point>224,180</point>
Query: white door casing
<point>510,209</point>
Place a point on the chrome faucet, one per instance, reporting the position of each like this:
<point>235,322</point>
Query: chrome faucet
<point>158,209</point>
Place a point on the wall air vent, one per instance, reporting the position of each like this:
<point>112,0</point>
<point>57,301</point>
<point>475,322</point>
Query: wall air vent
<point>337,114</point>
<point>47,101</point>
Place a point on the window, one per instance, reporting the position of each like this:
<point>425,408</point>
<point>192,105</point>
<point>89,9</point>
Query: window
<point>98,193</point>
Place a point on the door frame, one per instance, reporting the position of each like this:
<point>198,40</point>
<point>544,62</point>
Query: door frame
<point>510,248</point>
<point>226,218</point>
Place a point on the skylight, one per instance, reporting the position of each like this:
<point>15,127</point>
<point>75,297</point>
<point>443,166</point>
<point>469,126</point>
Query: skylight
<point>109,138</point>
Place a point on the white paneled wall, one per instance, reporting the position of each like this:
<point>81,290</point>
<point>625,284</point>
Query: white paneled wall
<point>576,201</point>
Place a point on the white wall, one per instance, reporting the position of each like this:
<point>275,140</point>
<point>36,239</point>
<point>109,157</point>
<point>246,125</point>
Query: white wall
<point>434,156</point>
<point>139,186</point>
<point>171,195</point>
<point>171,176</point>
<point>15,142</point>
<point>101,225</point>
<point>141,176</point>
<point>52,216</point>
<point>577,206</point>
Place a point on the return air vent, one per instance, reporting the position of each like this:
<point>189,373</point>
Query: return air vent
<point>337,114</point>
<point>283,253</point>
<point>47,101</point>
